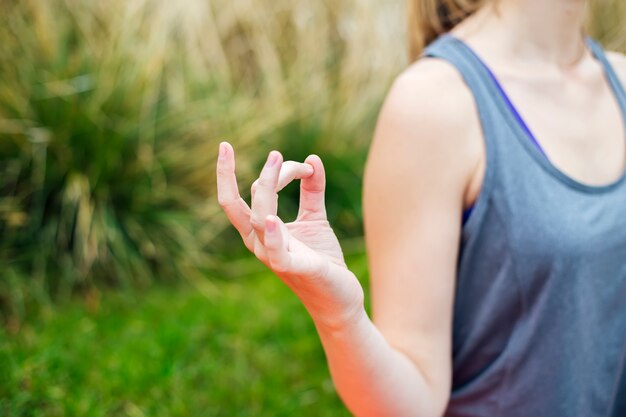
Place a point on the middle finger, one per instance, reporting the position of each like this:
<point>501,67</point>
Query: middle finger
<point>289,171</point>
<point>265,198</point>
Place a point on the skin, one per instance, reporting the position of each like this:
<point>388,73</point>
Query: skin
<point>426,165</point>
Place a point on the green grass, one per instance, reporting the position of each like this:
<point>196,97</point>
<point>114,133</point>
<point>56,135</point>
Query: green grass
<point>250,349</point>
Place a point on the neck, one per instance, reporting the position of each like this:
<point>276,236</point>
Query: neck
<point>537,30</point>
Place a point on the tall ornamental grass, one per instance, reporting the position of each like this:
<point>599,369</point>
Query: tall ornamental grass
<point>607,22</point>
<point>111,112</point>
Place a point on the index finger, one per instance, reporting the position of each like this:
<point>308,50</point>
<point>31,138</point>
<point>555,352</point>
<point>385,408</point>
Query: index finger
<point>234,206</point>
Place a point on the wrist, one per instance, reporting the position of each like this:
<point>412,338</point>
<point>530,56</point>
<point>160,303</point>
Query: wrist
<point>340,328</point>
<point>337,321</point>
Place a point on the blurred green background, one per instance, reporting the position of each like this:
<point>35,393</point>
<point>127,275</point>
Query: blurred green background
<point>123,292</point>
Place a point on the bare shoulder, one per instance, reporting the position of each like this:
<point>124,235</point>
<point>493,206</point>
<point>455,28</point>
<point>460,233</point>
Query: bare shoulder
<point>431,92</point>
<point>430,120</point>
<point>618,61</point>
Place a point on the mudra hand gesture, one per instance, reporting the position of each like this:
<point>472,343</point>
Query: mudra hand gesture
<point>304,253</point>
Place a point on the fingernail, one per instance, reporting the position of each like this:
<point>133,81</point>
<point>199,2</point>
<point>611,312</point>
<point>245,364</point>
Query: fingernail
<point>270,227</point>
<point>222,150</point>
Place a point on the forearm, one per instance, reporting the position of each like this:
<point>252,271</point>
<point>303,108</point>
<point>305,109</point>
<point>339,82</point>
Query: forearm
<point>372,377</point>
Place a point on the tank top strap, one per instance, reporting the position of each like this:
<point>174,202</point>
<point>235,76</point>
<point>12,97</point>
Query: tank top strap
<point>489,102</point>
<point>497,123</point>
<point>499,120</point>
<point>614,81</point>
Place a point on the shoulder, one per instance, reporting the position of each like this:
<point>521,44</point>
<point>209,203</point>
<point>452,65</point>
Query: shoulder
<point>430,92</point>
<point>429,120</point>
<point>428,104</point>
<point>618,61</point>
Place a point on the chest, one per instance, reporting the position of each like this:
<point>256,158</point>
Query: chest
<point>580,127</point>
<point>547,221</point>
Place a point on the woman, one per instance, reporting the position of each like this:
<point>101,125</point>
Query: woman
<point>515,120</point>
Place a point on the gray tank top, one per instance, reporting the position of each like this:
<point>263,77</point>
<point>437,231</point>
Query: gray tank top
<point>540,305</point>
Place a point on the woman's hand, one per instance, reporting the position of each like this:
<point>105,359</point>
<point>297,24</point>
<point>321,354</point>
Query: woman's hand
<point>304,253</point>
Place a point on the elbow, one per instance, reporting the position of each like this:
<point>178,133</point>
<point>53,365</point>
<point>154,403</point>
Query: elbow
<point>432,404</point>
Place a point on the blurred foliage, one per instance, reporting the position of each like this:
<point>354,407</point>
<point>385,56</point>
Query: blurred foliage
<point>111,112</point>
<point>607,23</point>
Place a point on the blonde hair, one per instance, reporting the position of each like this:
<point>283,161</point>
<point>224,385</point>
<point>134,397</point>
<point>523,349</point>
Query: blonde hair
<point>427,19</point>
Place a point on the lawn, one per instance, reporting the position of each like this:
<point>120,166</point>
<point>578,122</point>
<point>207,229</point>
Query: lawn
<point>249,349</point>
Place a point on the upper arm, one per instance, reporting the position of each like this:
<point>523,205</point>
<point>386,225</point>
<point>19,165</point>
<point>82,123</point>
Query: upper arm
<point>418,169</point>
